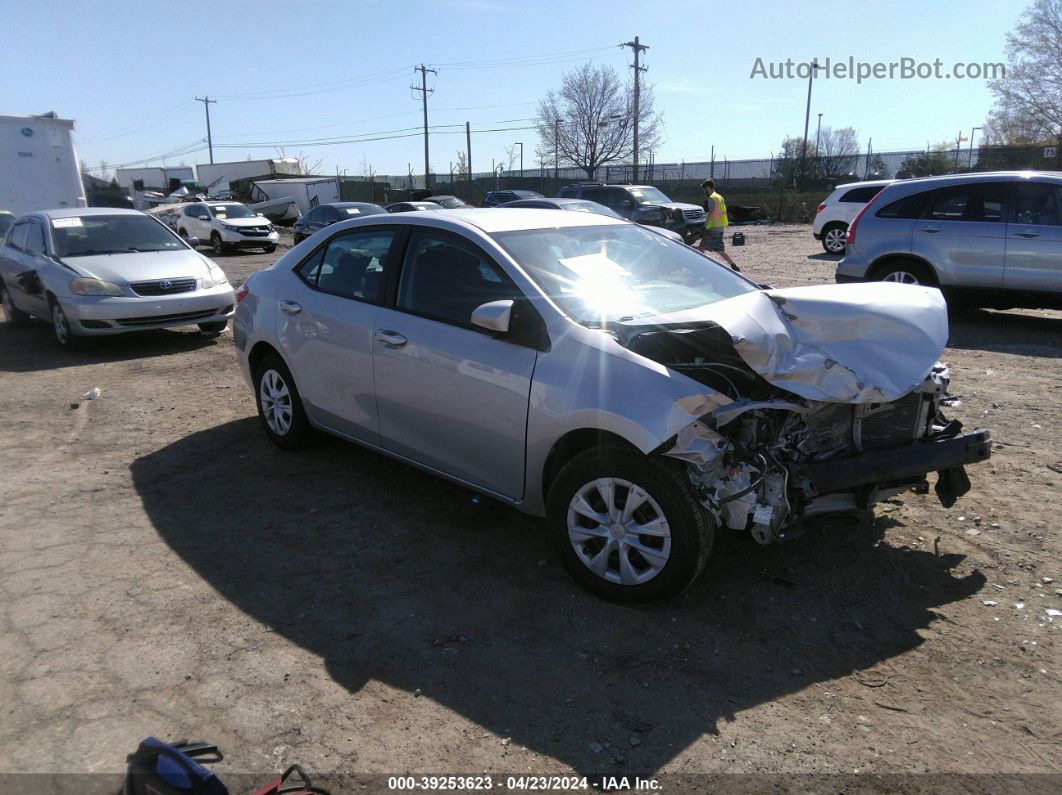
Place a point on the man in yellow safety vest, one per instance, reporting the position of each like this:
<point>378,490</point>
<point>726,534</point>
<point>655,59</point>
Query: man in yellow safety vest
<point>716,223</point>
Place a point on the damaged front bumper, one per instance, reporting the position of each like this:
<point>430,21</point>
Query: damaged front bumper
<point>766,465</point>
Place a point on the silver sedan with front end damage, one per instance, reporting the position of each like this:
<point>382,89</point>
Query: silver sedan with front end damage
<point>630,389</point>
<point>99,271</point>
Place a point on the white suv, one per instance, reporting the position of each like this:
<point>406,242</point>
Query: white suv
<point>226,225</point>
<point>836,212</point>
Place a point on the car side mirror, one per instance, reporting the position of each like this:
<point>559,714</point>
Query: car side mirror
<point>192,241</point>
<point>493,315</point>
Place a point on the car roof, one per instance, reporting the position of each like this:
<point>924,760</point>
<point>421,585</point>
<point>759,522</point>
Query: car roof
<point>351,204</point>
<point>980,176</point>
<point>870,183</point>
<point>220,201</point>
<point>84,212</point>
<point>515,219</point>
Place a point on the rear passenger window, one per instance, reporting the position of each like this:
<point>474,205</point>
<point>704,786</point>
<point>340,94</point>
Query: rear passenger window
<point>950,204</point>
<point>350,265</point>
<point>860,195</point>
<point>908,207</point>
<point>1037,203</point>
<point>446,279</point>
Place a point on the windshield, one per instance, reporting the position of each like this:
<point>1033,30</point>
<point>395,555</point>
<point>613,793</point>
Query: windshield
<point>598,274</point>
<point>450,202</point>
<point>591,207</point>
<point>111,234</point>
<point>649,196</point>
<point>231,211</point>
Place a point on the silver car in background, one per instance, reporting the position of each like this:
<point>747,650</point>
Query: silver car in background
<point>99,271</point>
<point>632,390</point>
<point>991,239</point>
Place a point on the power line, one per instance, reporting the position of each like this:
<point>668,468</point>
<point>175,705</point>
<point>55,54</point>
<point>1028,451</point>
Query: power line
<point>185,149</point>
<point>319,88</point>
<point>174,112</point>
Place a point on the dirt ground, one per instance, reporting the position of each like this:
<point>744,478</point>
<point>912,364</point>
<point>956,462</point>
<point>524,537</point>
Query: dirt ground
<point>167,571</point>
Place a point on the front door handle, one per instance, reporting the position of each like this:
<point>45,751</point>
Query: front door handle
<point>388,337</point>
<point>290,307</point>
<point>1027,234</point>
<point>929,229</point>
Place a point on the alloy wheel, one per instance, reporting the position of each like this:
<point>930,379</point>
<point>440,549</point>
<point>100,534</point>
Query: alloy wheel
<point>59,323</point>
<point>836,240</point>
<point>275,399</point>
<point>619,531</point>
<point>901,277</point>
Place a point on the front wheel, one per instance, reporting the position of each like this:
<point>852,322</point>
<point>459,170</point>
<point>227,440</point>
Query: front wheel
<point>906,272</point>
<point>270,248</point>
<point>64,335</point>
<point>279,405</point>
<point>628,527</point>
<point>835,239</point>
<point>217,245</point>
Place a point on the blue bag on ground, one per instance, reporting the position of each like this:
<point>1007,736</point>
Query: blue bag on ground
<point>158,768</point>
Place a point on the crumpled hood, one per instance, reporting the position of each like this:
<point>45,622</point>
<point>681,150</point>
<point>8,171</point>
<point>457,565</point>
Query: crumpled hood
<point>851,343</point>
<point>141,267</point>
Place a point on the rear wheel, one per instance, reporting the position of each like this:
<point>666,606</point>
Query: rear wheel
<point>628,527</point>
<point>15,316</point>
<point>279,405</point>
<point>905,272</point>
<point>835,238</point>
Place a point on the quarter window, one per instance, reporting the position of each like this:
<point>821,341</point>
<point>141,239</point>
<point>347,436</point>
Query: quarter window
<point>18,235</point>
<point>446,279</point>
<point>861,195</point>
<point>350,265</point>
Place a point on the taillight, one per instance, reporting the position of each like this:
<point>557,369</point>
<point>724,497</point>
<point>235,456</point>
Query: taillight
<point>241,293</point>
<point>851,236</point>
<point>820,208</point>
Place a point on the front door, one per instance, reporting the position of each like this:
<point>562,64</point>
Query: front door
<point>326,313</point>
<point>1034,238</point>
<point>451,396</point>
<point>962,233</point>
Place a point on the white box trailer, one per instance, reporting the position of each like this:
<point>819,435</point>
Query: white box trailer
<point>39,169</point>
<point>307,192</point>
<point>157,178</point>
<point>217,176</point>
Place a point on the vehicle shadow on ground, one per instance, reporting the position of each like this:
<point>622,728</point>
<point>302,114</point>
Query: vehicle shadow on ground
<point>33,347</point>
<point>824,257</point>
<point>1005,332</point>
<point>390,574</point>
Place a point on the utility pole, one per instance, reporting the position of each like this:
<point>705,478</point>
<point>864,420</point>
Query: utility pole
<point>637,47</point>
<point>207,102</point>
<point>818,132</point>
<point>468,150</point>
<point>556,148</point>
<point>423,89</point>
<point>807,119</point>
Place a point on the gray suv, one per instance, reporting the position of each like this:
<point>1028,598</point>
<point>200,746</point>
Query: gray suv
<point>991,240</point>
<point>642,204</point>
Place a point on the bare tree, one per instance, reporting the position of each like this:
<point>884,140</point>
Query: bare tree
<point>462,162</point>
<point>1029,97</point>
<point>306,167</point>
<point>590,120</point>
<point>837,152</point>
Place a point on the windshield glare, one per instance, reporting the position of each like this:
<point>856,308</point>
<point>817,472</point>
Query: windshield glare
<point>649,196</point>
<point>111,234</point>
<point>231,211</point>
<point>618,272</point>
<point>591,207</point>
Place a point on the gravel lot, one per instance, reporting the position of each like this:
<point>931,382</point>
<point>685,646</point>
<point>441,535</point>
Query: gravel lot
<point>167,571</point>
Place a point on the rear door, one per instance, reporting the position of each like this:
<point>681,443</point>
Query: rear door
<point>962,234</point>
<point>327,310</point>
<point>1034,238</point>
<point>13,264</point>
<point>451,396</point>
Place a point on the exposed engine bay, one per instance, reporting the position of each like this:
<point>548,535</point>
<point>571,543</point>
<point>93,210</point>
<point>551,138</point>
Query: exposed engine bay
<point>771,457</point>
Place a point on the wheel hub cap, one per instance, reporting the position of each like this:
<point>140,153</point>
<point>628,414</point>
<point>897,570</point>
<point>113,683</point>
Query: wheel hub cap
<point>276,402</point>
<point>619,531</point>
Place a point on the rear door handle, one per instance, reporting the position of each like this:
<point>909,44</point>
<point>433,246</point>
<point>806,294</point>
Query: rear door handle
<point>388,337</point>
<point>290,307</point>
<point>1027,234</point>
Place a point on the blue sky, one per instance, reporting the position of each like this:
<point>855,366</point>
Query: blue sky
<point>290,71</point>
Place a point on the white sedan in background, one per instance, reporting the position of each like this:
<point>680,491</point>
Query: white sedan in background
<point>95,271</point>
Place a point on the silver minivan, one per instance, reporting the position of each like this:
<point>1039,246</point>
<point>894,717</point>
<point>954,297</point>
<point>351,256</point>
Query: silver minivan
<point>992,239</point>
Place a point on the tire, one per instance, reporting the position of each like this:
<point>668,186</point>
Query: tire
<point>217,245</point>
<point>270,248</point>
<point>213,328</point>
<point>182,233</point>
<point>680,556</point>
<point>905,271</point>
<point>64,335</point>
<point>273,376</point>
<point>16,318</point>
<point>833,238</point>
